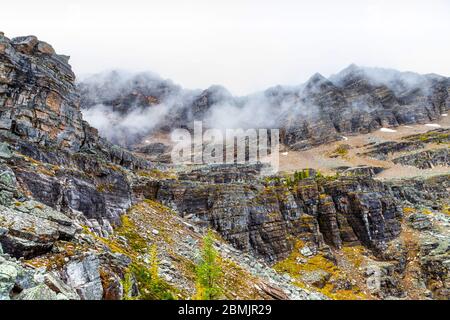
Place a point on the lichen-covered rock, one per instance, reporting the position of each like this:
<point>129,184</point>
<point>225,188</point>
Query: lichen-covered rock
<point>361,171</point>
<point>63,290</point>
<point>72,168</point>
<point>30,227</point>
<point>317,278</point>
<point>49,116</point>
<point>84,276</point>
<point>18,283</point>
<point>419,221</point>
<point>262,217</point>
<point>434,262</point>
<point>382,281</point>
<point>40,292</point>
<point>382,150</point>
<point>5,152</point>
<point>422,191</point>
<point>8,275</point>
<point>33,228</point>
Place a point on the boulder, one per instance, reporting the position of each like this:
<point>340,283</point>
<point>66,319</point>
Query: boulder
<point>32,228</point>
<point>84,277</point>
<point>5,151</point>
<point>40,292</point>
<point>317,278</point>
<point>44,47</point>
<point>64,291</point>
<point>25,44</point>
<point>419,221</point>
<point>426,159</point>
<point>8,275</point>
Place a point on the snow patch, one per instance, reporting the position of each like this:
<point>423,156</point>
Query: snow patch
<point>444,114</point>
<point>284,153</point>
<point>387,130</point>
<point>434,125</point>
<point>345,138</point>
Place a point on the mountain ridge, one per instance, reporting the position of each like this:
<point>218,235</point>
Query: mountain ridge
<point>355,100</point>
<point>80,218</point>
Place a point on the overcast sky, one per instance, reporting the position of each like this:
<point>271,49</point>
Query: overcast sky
<point>245,45</point>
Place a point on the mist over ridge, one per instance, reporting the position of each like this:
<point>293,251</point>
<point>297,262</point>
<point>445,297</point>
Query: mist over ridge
<point>127,106</point>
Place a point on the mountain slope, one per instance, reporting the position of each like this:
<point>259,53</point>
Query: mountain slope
<point>80,217</point>
<point>64,196</point>
<point>354,101</point>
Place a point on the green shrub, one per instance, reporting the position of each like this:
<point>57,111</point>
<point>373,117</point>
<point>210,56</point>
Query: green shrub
<point>208,271</point>
<point>151,286</point>
<point>342,150</point>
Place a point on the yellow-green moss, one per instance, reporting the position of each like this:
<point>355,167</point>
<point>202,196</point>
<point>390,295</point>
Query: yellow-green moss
<point>150,285</point>
<point>151,288</point>
<point>102,187</point>
<point>408,210</point>
<point>291,266</point>
<point>446,209</point>
<point>158,206</point>
<point>294,266</point>
<point>157,174</point>
<point>128,230</point>
<point>354,255</point>
<point>436,136</point>
<point>341,150</point>
<point>236,280</point>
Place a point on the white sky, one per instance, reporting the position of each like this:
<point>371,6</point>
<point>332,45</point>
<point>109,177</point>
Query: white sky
<point>245,45</point>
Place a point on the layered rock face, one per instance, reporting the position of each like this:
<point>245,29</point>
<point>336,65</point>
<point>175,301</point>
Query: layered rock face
<point>55,168</point>
<point>38,97</point>
<point>39,102</point>
<point>356,100</point>
<point>64,192</point>
<point>426,159</point>
<point>62,188</point>
<point>40,119</point>
<point>261,217</point>
<point>267,216</point>
<point>413,143</point>
<point>32,227</point>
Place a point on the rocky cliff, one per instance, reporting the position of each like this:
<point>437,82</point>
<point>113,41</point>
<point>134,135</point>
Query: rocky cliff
<point>354,101</point>
<point>73,220</point>
<point>80,218</point>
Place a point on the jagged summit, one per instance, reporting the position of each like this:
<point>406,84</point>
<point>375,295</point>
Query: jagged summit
<point>348,75</point>
<point>122,88</point>
<point>317,84</point>
<point>218,93</point>
<point>40,103</point>
<point>30,64</point>
<point>31,44</point>
<point>355,100</point>
<point>316,77</point>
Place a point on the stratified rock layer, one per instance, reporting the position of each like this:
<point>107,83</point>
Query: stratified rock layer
<point>63,190</point>
<point>356,100</point>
